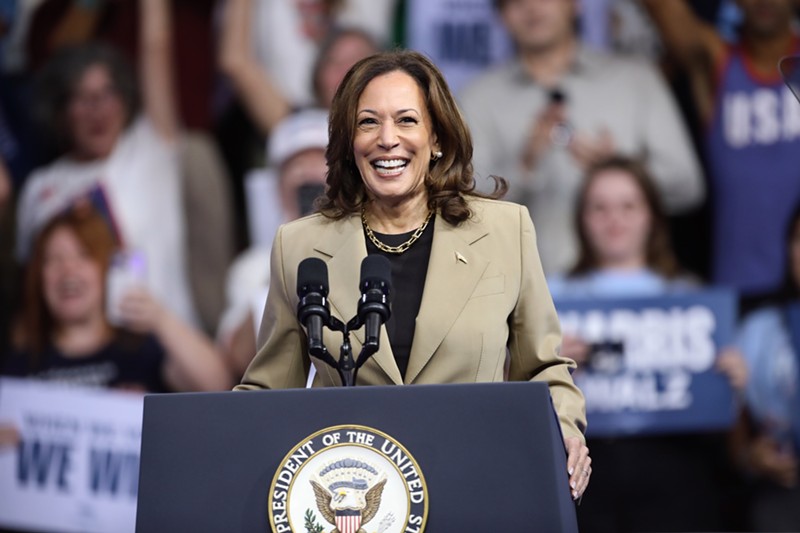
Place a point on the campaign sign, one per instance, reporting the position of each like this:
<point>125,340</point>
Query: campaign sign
<point>76,467</point>
<point>651,362</point>
<point>462,37</point>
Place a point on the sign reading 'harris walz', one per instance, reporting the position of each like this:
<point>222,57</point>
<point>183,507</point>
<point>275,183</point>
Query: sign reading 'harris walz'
<point>651,362</point>
<point>348,479</point>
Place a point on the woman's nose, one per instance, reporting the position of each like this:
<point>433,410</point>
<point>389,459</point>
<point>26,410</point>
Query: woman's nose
<point>388,136</point>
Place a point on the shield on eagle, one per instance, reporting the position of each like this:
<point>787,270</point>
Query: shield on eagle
<point>348,521</point>
<point>348,494</point>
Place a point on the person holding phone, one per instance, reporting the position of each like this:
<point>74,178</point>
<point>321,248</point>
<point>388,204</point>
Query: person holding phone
<point>518,111</point>
<point>64,334</point>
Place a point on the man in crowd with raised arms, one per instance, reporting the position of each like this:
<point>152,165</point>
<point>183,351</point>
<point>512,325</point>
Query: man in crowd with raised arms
<point>752,138</point>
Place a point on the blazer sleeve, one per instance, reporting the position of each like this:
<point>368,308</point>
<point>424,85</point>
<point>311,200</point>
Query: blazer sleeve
<point>535,338</point>
<point>281,362</point>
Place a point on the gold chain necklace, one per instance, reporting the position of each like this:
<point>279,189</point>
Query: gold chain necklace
<point>394,249</point>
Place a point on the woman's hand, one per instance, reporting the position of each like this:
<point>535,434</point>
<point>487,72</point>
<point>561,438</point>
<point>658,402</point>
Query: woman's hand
<point>140,311</point>
<point>579,466</point>
<point>575,348</point>
<point>767,459</point>
<point>9,436</point>
<point>732,363</point>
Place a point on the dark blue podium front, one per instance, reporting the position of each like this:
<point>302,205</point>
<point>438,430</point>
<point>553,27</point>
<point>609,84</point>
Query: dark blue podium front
<point>492,454</point>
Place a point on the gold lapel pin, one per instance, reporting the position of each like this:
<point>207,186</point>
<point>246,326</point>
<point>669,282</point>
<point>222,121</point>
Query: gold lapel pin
<point>461,258</point>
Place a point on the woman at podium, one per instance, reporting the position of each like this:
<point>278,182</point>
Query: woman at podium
<point>470,301</point>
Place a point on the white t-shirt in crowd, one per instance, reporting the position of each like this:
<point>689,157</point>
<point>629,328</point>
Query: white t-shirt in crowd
<point>288,54</point>
<point>284,50</point>
<point>142,184</point>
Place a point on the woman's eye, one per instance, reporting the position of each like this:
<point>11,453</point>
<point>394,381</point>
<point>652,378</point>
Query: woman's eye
<point>367,122</point>
<point>408,120</point>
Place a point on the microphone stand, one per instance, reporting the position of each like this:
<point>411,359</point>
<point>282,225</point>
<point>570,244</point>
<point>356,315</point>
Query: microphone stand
<point>366,353</point>
<point>368,349</point>
<point>346,366</point>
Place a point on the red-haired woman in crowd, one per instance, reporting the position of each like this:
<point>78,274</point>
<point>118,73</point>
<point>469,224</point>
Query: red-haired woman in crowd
<point>64,332</point>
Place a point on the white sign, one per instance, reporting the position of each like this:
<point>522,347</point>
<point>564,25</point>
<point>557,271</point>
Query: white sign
<point>462,37</point>
<point>76,468</point>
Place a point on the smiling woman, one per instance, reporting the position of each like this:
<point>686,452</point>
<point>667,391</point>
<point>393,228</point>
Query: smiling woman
<point>620,221</point>
<point>394,147</point>
<point>64,333</point>
<point>398,104</point>
<point>625,252</point>
<point>470,303</point>
<point>624,242</point>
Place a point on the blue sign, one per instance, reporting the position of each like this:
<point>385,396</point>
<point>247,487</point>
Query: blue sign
<point>651,362</point>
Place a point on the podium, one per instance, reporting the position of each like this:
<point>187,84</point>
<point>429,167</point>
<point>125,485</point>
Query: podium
<point>487,457</point>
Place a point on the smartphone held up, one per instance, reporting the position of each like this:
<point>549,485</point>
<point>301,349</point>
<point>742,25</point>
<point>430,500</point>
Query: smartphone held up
<point>128,269</point>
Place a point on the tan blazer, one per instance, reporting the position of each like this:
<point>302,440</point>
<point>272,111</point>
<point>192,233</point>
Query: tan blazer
<point>485,299</point>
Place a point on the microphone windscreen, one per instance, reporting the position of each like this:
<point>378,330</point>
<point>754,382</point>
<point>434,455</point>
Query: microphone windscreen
<point>376,268</point>
<point>312,272</point>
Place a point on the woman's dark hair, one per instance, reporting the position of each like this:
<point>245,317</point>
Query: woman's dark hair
<point>449,178</point>
<point>659,254</point>
<point>95,235</point>
<point>57,80</point>
<point>323,55</point>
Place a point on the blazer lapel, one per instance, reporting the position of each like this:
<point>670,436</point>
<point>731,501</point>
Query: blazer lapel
<point>454,270</point>
<point>344,243</point>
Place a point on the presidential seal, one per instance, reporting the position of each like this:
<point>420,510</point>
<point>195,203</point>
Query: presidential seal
<point>348,479</point>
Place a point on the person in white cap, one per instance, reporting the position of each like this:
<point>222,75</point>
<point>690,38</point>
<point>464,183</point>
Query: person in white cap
<point>296,152</point>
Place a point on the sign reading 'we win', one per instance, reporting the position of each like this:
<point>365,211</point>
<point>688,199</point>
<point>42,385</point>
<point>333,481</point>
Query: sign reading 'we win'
<point>651,363</point>
<point>76,467</point>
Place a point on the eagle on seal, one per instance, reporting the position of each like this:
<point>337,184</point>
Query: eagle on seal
<point>348,505</point>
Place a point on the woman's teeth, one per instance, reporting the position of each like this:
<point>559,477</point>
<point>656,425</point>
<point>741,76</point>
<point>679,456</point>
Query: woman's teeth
<point>71,287</point>
<point>390,166</point>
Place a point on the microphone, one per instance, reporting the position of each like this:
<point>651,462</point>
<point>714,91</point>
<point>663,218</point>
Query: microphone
<point>376,290</point>
<point>312,310</point>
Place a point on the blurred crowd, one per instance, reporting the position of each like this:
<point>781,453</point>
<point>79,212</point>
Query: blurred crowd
<point>150,148</point>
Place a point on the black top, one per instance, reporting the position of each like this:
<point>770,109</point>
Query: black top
<point>129,362</point>
<point>408,282</point>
